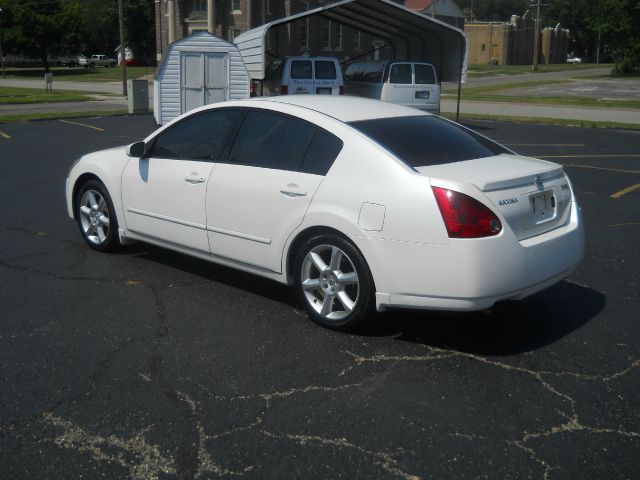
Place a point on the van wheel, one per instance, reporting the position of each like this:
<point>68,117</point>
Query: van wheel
<point>334,283</point>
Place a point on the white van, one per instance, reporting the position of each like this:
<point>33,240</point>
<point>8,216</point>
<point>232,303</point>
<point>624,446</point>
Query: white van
<point>311,75</point>
<point>413,84</point>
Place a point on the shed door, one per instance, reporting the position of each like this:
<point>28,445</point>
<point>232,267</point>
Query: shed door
<point>192,79</point>
<point>204,79</point>
<point>217,77</point>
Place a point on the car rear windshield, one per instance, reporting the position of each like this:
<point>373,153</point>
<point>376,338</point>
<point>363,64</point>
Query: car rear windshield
<point>425,140</point>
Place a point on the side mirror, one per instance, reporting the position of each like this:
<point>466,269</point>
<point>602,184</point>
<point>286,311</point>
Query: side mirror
<point>136,150</point>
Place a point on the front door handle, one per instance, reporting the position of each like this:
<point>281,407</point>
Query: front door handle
<point>293,190</point>
<point>194,179</point>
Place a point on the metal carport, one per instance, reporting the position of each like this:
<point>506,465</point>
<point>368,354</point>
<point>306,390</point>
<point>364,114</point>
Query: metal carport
<point>411,36</point>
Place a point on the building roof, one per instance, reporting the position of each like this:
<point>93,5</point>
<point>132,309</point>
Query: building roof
<point>445,8</point>
<point>411,35</point>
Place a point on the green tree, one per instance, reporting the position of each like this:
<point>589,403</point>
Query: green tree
<point>493,10</point>
<point>100,31</point>
<point>32,29</point>
<point>44,29</point>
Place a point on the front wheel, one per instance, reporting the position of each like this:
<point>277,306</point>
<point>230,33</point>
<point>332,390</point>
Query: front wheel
<point>96,217</point>
<point>334,283</point>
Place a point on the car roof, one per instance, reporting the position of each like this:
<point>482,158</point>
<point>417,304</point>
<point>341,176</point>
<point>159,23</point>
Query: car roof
<point>344,107</point>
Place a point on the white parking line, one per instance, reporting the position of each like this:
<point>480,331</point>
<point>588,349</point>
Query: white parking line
<point>83,125</point>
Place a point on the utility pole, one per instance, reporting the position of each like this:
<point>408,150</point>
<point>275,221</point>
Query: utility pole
<point>123,65</point>
<point>536,39</point>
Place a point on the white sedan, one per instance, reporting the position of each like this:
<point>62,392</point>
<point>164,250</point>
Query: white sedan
<point>359,204</point>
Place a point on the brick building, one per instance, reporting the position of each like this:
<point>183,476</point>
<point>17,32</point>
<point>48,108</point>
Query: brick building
<point>314,36</point>
<point>512,42</point>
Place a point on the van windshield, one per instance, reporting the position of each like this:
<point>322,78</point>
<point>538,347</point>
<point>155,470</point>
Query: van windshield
<point>425,140</point>
<point>325,70</point>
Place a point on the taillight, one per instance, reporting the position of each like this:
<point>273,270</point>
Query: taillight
<point>341,90</point>
<point>464,216</point>
<point>284,90</point>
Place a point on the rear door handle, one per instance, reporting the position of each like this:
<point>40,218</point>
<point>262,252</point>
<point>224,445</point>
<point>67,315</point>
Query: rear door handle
<point>293,190</point>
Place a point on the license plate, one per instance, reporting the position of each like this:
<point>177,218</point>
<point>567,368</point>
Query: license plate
<point>422,94</point>
<point>543,206</point>
<point>323,91</point>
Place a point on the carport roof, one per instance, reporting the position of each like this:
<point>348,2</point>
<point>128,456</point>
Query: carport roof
<point>411,35</point>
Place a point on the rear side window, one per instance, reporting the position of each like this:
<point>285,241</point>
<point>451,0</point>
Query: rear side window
<point>269,140</point>
<point>373,73</point>
<point>424,74</point>
<point>400,73</point>
<point>325,70</point>
<point>425,140</point>
<point>199,137</point>
<point>321,154</point>
<point>301,69</point>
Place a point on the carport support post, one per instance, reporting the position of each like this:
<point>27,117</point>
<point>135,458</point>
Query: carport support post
<point>460,81</point>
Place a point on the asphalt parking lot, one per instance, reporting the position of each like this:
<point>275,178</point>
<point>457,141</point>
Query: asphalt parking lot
<point>148,364</point>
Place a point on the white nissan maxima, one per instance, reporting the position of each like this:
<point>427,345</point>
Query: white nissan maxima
<point>359,204</point>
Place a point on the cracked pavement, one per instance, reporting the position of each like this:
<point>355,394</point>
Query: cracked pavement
<point>148,364</point>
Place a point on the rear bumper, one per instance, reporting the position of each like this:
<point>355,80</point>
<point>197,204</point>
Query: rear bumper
<point>467,275</point>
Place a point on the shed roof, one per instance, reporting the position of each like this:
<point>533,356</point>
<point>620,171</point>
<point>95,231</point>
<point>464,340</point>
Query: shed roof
<point>412,35</point>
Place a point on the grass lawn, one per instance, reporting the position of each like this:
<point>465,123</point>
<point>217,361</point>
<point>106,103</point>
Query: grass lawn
<point>80,74</point>
<point>493,70</point>
<point>10,95</point>
<point>500,93</point>
<point>543,121</point>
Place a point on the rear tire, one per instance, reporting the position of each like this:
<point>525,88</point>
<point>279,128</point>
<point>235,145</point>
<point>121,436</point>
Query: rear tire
<point>96,217</point>
<point>334,283</point>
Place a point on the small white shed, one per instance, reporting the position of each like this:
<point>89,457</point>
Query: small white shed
<point>196,71</point>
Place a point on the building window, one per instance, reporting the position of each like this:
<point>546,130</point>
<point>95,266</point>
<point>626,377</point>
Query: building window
<point>326,35</point>
<point>483,48</point>
<point>339,37</point>
<point>235,6</point>
<point>357,38</point>
<point>304,34</point>
<point>233,33</point>
<point>199,6</point>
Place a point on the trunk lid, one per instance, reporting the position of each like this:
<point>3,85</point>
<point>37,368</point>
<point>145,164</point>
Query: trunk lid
<point>532,195</point>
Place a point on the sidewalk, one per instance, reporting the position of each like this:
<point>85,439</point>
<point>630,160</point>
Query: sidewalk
<point>114,103</point>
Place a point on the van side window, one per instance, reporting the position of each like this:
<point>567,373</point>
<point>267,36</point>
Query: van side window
<point>400,73</point>
<point>301,69</point>
<point>321,154</point>
<point>425,74</point>
<point>270,140</point>
<point>325,70</point>
<point>373,73</point>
